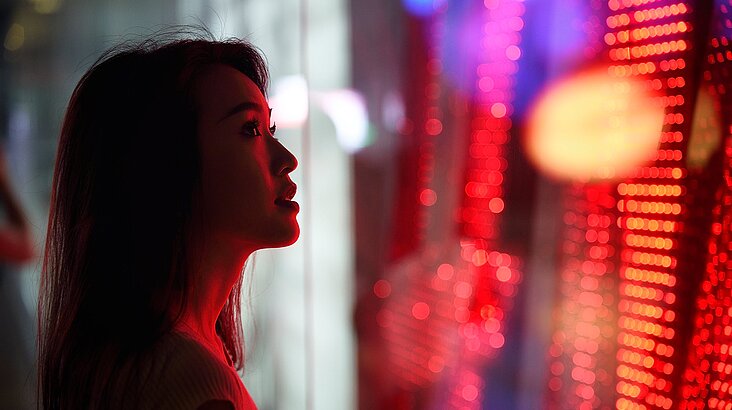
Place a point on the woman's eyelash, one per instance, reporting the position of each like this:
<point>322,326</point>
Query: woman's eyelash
<point>251,128</point>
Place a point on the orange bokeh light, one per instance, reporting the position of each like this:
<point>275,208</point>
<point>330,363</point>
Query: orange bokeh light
<point>594,125</point>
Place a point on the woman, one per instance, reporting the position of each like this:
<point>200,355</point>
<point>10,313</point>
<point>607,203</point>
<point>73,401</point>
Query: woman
<point>167,178</point>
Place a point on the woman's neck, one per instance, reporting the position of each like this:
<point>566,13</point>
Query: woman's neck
<point>211,283</point>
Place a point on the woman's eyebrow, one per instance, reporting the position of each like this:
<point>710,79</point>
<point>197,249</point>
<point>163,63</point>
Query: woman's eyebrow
<point>247,105</point>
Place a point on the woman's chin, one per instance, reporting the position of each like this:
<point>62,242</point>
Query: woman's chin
<point>294,236</point>
<point>278,233</point>
<point>284,237</point>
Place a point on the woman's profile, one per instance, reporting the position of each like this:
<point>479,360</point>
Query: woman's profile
<point>167,178</point>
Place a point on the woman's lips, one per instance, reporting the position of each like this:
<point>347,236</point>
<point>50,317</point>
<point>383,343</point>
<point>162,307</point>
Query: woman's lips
<point>287,204</point>
<point>290,192</point>
<point>285,199</point>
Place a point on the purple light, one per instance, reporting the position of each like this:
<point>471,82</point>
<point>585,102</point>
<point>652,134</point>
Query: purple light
<point>423,8</point>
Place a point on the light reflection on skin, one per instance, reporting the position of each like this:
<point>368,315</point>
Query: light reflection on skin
<point>245,198</point>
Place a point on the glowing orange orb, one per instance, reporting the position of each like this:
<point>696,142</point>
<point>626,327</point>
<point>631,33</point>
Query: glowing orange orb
<point>593,126</point>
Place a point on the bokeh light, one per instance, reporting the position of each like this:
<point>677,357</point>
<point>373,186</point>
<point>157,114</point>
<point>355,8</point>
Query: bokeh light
<point>594,126</point>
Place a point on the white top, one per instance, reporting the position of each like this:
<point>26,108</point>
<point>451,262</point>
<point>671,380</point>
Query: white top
<point>185,375</point>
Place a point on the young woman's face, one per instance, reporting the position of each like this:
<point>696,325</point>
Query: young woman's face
<point>246,188</point>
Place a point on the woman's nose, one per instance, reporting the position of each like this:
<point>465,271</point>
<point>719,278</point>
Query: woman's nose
<point>284,161</point>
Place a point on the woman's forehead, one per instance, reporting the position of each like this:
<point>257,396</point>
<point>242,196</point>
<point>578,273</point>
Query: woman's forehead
<point>222,88</point>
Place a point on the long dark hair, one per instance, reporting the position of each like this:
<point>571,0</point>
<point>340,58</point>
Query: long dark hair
<point>119,231</point>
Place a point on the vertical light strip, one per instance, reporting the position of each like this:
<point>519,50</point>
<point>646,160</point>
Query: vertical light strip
<point>583,344</point>
<point>450,311</point>
<point>708,376</point>
<point>432,128</point>
<point>309,311</point>
<point>707,381</point>
<point>488,276</point>
<point>491,123</point>
<point>413,319</point>
<point>582,347</point>
<point>648,39</point>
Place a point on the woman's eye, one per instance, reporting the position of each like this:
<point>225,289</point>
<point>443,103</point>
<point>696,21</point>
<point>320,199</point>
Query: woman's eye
<point>273,129</point>
<point>251,129</point>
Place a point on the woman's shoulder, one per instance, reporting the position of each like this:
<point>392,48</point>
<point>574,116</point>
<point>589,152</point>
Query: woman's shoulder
<point>183,374</point>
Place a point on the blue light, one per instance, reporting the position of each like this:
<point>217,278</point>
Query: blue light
<point>422,8</point>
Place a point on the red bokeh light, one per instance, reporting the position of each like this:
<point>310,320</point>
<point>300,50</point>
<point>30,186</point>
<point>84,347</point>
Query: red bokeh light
<point>382,289</point>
